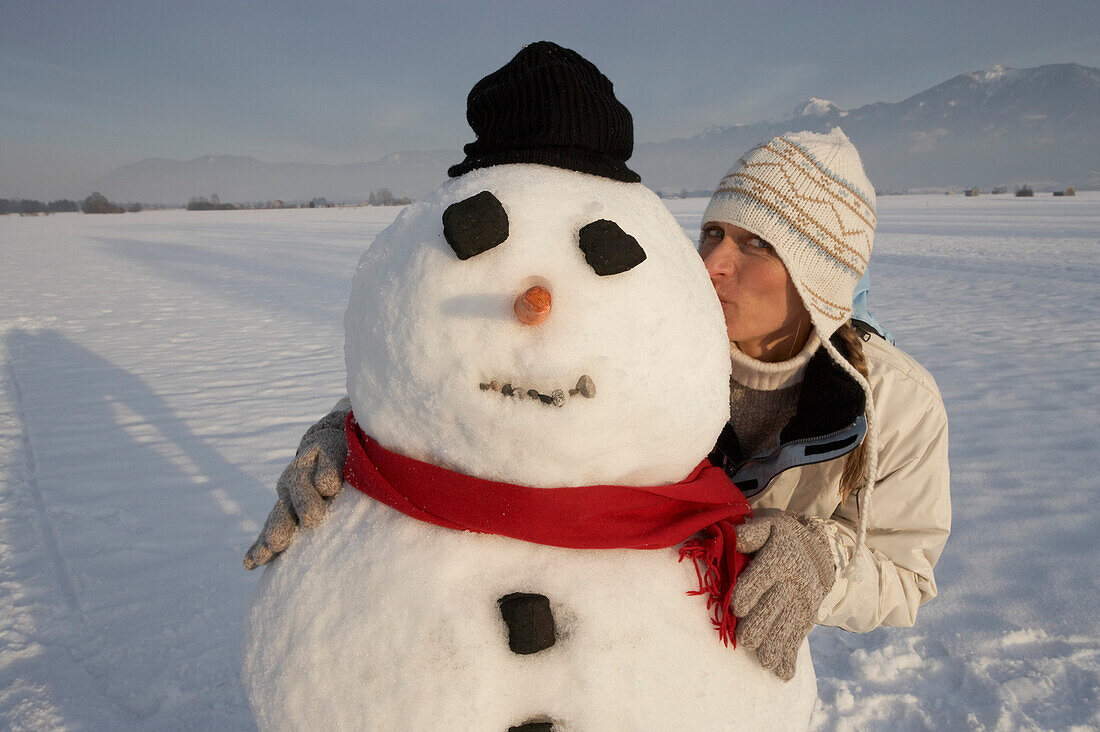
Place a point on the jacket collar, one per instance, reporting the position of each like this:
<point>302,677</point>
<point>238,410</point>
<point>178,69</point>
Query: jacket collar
<point>828,423</point>
<point>829,399</point>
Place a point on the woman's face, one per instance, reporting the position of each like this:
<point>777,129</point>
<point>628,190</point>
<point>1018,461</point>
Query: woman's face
<point>764,315</point>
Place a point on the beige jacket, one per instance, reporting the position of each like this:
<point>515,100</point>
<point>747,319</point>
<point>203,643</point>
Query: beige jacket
<point>910,508</point>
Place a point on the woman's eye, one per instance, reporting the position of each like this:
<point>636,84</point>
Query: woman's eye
<point>758,243</point>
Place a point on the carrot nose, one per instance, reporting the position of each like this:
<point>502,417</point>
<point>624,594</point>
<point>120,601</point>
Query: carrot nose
<point>533,306</point>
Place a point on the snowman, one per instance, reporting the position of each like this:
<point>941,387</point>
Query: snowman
<point>529,537</point>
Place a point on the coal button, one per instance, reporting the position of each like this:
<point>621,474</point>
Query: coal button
<point>529,620</point>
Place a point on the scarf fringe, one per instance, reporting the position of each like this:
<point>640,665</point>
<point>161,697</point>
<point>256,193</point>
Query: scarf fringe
<point>707,556</point>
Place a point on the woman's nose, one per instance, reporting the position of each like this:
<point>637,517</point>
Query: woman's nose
<point>533,305</point>
<point>719,261</point>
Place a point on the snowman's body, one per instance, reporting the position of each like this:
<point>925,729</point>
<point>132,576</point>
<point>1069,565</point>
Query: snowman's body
<point>376,620</point>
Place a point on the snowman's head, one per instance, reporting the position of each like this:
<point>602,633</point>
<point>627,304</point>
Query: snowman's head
<point>625,380</point>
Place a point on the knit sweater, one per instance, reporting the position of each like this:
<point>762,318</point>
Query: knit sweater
<point>764,396</point>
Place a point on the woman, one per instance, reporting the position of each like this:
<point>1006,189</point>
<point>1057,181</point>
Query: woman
<point>824,415</point>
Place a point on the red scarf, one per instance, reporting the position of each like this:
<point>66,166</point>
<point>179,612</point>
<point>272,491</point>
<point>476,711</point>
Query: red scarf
<point>701,510</point>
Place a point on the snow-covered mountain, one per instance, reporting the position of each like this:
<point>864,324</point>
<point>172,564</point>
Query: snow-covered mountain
<point>984,128</point>
<point>998,126</point>
<point>814,107</point>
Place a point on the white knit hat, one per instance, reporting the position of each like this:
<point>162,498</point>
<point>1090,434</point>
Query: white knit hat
<point>806,194</point>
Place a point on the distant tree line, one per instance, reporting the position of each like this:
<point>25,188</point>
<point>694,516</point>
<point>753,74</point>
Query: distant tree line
<point>383,197</point>
<point>684,193</point>
<point>97,203</point>
<point>29,206</point>
<point>380,197</point>
<point>202,203</point>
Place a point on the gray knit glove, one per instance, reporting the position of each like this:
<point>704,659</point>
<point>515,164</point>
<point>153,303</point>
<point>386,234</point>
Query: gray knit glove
<point>777,597</point>
<point>313,477</point>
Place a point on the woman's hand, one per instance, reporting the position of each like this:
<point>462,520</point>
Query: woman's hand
<point>777,597</point>
<point>313,477</point>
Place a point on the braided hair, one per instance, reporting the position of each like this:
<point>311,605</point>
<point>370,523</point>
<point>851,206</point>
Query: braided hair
<point>851,342</point>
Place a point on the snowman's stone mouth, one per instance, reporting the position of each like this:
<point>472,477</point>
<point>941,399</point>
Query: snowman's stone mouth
<point>556,398</point>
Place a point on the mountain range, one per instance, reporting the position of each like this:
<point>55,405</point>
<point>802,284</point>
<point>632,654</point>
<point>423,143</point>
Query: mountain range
<point>1000,126</point>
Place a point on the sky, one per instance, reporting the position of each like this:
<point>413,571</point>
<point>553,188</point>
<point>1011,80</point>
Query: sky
<point>86,87</point>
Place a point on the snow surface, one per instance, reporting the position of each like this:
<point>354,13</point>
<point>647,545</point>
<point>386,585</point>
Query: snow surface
<point>160,367</point>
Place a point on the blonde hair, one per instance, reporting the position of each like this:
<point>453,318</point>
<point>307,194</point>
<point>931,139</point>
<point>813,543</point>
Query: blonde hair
<point>855,466</point>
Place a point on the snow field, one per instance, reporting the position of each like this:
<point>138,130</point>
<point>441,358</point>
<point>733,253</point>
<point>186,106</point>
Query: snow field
<point>159,368</point>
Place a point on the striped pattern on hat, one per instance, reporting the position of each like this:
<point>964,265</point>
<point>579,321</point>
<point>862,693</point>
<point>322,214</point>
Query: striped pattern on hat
<point>806,194</point>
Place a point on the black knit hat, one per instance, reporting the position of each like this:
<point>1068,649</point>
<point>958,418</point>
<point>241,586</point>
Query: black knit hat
<point>551,106</point>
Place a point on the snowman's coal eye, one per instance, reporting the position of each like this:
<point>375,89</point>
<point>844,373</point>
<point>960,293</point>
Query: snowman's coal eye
<point>608,249</point>
<point>475,225</point>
